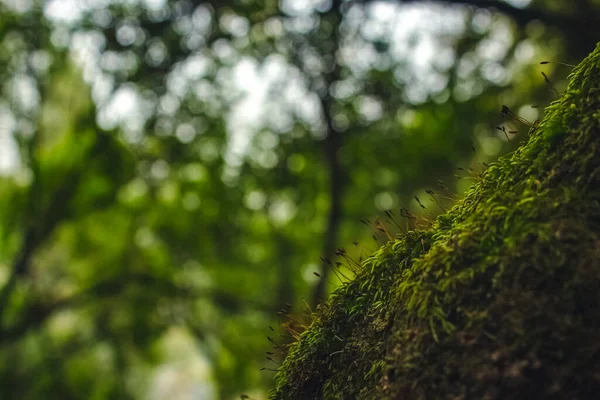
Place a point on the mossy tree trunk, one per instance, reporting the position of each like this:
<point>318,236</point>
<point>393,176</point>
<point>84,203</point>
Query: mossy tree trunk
<point>499,300</point>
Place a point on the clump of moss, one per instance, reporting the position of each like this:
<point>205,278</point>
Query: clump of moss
<point>500,299</point>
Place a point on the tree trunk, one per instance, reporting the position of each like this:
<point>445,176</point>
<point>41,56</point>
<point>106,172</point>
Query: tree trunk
<point>500,299</point>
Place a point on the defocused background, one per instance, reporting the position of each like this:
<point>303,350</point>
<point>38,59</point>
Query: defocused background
<point>171,172</point>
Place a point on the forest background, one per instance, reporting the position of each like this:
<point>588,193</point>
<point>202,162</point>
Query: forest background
<point>172,173</point>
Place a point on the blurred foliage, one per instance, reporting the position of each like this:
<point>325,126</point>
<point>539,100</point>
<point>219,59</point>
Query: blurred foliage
<point>172,170</point>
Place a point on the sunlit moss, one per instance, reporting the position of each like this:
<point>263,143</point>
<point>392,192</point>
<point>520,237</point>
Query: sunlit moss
<point>500,299</point>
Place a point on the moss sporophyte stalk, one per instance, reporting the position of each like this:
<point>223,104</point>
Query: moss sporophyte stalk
<point>499,299</point>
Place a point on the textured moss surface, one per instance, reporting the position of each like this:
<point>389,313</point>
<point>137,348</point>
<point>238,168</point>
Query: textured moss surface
<point>499,300</point>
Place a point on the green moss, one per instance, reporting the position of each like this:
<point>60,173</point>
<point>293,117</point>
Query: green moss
<point>500,299</point>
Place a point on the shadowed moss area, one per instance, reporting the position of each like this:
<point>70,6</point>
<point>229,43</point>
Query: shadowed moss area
<point>499,300</point>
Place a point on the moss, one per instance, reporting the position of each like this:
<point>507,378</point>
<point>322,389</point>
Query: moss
<point>499,299</point>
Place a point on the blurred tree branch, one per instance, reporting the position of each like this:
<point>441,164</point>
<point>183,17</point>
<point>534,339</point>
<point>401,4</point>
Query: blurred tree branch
<point>44,213</point>
<point>38,313</point>
<point>39,228</point>
<point>582,34</point>
<point>331,146</point>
